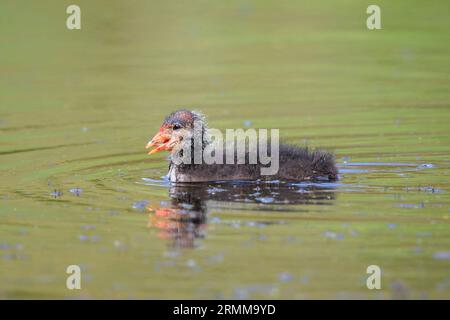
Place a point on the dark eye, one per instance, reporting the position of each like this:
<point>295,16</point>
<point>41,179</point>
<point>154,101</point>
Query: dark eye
<point>176,126</point>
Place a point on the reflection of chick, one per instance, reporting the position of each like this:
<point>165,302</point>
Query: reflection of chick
<point>177,225</point>
<point>185,220</point>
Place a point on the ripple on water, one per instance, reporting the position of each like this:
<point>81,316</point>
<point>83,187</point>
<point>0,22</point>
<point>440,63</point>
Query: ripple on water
<point>343,168</point>
<point>271,192</point>
<point>163,182</point>
<point>411,205</point>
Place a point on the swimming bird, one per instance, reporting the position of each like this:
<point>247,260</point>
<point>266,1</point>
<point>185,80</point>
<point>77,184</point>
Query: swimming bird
<point>184,130</point>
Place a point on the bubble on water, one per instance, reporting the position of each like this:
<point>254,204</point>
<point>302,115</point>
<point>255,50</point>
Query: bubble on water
<point>334,235</point>
<point>215,220</point>
<point>83,237</point>
<point>285,277</point>
<point>140,205</point>
<point>76,191</point>
<point>56,193</point>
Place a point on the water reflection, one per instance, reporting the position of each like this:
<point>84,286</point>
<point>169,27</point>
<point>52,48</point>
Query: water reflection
<point>184,220</point>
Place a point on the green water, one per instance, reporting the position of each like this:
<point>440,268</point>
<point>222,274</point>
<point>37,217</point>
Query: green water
<point>78,107</point>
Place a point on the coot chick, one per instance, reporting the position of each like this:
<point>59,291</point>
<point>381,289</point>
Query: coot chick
<point>185,126</point>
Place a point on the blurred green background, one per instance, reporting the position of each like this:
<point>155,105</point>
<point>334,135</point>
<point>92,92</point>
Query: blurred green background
<point>78,106</point>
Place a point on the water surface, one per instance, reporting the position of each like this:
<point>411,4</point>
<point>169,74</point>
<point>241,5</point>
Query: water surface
<point>78,107</point>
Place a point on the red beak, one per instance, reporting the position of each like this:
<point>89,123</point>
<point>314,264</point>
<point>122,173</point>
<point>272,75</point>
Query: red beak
<point>162,141</point>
